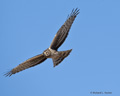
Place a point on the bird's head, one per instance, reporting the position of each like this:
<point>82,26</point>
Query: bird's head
<point>47,53</point>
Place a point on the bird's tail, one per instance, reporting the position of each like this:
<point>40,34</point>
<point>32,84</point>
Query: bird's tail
<point>61,56</point>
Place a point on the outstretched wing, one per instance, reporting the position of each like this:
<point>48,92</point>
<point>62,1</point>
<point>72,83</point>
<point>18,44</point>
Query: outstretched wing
<point>63,31</point>
<point>27,64</point>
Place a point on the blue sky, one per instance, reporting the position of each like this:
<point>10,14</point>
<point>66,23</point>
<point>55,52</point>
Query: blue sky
<point>27,28</point>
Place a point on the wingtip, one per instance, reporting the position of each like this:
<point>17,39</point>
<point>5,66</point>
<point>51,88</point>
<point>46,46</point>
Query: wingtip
<point>8,74</point>
<point>75,12</point>
<point>70,50</point>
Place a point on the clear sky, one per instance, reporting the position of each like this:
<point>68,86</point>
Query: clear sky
<point>27,28</point>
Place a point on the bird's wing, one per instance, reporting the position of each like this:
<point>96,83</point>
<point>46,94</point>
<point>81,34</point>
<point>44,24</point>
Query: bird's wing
<point>60,57</point>
<point>63,31</point>
<point>27,64</point>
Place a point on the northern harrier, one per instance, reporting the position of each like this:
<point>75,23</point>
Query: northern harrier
<point>51,52</point>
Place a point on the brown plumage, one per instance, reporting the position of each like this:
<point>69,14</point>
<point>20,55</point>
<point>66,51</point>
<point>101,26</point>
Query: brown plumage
<point>64,30</point>
<point>27,64</point>
<point>60,57</point>
<point>51,52</point>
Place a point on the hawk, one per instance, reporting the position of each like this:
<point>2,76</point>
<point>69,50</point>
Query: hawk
<point>51,52</point>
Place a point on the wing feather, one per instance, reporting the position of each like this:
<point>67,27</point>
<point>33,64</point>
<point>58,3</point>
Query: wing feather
<point>27,64</point>
<point>64,30</point>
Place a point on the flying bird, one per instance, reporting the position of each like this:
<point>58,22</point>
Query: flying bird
<point>51,52</point>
